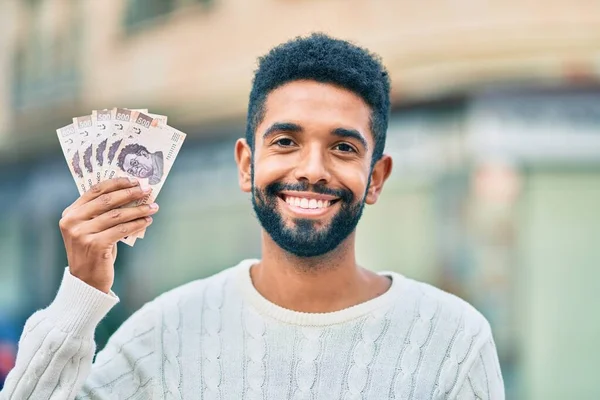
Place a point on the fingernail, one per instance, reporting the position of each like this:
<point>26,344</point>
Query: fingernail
<point>133,181</point>
<point>145,187</point>
<point>154,206</point>
<point>149,220</point>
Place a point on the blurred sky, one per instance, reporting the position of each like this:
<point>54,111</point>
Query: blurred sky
<point>495,135</point>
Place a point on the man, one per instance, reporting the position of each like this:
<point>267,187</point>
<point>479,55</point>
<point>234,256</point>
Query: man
<point>305,321</point>
<point>136,160</point>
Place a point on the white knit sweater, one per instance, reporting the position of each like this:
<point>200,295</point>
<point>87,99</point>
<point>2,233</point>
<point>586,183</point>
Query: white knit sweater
<point>218,338</point>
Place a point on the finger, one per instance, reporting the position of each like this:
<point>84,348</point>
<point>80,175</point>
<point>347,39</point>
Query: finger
<point>108,201</point>
<point>107,186</point>
<point>120,231</point>
<point>118,216</point>
<point>135,234</point>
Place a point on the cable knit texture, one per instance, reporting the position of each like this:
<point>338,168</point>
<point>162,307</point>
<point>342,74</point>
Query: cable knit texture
<point>218,338</point>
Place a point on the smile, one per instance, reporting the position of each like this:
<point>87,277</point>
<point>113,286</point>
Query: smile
<point>304,204</point>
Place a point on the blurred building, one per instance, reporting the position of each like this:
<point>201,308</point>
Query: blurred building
<point>494,133</point>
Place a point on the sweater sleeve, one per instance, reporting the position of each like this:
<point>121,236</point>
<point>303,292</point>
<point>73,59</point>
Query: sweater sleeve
<point>484,379</point>
<point>57,347</point>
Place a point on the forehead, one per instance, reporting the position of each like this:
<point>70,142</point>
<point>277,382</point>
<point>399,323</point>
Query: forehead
<point>318,105</point>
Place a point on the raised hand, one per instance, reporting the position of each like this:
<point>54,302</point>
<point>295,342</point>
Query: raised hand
<point>94,223</point>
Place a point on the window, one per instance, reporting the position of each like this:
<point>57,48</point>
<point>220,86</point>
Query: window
<point>141,12</point>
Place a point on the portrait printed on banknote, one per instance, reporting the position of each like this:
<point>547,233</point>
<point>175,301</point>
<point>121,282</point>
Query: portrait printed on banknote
<point>84,126</point>
<point>103,124</point>
<point>87,159</point>
<point>136,160</point>
<point>68,139</point>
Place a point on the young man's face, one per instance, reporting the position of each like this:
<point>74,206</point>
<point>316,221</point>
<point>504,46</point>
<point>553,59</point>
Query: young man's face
<point>312,166</point>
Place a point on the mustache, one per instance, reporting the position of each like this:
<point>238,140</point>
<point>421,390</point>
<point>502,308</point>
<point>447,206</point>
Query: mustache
<point>273,189</point>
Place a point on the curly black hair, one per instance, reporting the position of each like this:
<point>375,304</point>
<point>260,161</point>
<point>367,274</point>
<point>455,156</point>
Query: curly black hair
<point>112,150</point>
<point>132,148</point>
<point>100,152</point>
<point>321,58</point>
<point>87,159</point>
<point>76,165</point>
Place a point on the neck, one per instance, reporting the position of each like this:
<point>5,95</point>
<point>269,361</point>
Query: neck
<point>326,283</point>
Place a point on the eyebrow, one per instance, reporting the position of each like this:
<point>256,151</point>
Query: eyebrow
<point>293,128</point>
<point>351,133</point>
<point>281,127</point>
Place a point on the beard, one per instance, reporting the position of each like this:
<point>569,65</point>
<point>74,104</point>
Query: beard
<point>306,239</point>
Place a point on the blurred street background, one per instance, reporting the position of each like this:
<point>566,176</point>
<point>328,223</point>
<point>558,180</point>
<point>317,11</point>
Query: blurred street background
<point>495,135</point>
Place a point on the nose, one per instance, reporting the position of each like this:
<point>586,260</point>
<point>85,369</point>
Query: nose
<point>312,166</point>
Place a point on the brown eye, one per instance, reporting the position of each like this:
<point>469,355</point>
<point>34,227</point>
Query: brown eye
<point>285,142</point>
<point>344,148</point>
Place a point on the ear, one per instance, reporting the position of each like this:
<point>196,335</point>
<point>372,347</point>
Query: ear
<point>243,159</point>
<point>381,171</point>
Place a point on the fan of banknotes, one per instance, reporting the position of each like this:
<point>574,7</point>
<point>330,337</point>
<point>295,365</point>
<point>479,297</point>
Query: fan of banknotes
<point>121,143</point>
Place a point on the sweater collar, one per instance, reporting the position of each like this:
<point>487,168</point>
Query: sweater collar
<point>266,308</point>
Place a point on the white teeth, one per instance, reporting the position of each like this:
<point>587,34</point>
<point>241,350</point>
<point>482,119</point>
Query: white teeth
<point>307,203</point>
